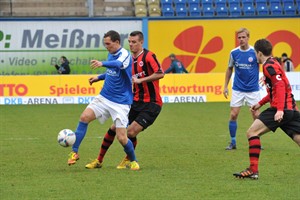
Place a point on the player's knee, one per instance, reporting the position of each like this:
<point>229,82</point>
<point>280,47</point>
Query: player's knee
<point>133,130</point>
<point>251,133</point>
<point>233,116</point>
<point>85,118</point>
<point>121,136</point>
<point>113,129</point>
<point>131,133</point>
<point>123,140</point>
<point>297,139</point>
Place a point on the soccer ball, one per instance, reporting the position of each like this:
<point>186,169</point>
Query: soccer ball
<point>66,137</point>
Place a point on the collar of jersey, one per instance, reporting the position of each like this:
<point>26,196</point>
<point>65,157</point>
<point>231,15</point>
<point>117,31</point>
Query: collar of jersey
<point>139,54</point>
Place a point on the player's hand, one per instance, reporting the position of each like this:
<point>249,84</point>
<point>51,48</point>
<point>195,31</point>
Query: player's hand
<point>255,107</point>
<point>262,81</point>
<point>95,64</point>
<point>225,93</point>
<point>136,80</point>
<point>279,115</point>
<point>93,80</point>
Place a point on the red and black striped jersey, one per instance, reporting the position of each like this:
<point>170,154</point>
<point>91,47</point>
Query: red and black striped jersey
<point>145,65</point>
<point>278,87</point>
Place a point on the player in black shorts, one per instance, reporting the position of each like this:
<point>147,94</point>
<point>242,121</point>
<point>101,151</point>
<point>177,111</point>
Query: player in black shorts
<point>290,122</point>
<point>147,102</point>
<point>283,112</point>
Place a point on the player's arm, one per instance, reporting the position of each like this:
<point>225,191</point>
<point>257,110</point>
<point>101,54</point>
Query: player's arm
<point>97,78</point>
<point>112,64</point>
<point>109,64</point>
<point>267,98</point>
<point>152,77</point>
<point>154,65</point>
<point>262,102</point>
<point>96,64</point>
<point>228,75</point>
<point>227,79</point>
<point>279,87</point>
<point>122,62</point>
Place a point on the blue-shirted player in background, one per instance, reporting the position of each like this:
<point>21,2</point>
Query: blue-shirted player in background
<point>245,84</point>
<point>114,99</point>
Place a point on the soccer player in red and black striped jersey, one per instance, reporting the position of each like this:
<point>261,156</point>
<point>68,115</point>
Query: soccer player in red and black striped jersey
<point>282,113</point>
<point>147,102</point>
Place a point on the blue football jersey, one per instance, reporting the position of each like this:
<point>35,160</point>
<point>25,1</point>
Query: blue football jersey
<point>117,86</point>
<point>246,70</point>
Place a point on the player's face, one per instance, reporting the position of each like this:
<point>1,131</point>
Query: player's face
<point>135,44</point>
<point>111,46</point>
<point>243,40</point>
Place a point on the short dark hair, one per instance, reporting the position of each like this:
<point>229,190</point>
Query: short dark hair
<point>114,36</point>
<point>284,55</point>
<point>137,33</point>
<point>264,46</point>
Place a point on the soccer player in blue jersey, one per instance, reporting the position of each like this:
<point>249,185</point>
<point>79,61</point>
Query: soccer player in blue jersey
<point>245,87</point>
<point>147,102</point>
<point>114,99</point>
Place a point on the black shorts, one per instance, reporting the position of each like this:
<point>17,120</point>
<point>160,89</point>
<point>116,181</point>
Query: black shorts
<point>144,113</point>
<point>290,123</point>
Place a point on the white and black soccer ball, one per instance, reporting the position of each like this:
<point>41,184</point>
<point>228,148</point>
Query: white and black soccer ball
<point>66,137</point>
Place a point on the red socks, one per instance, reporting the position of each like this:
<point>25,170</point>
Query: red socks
<point>254,152</point>
<point>107,141</point>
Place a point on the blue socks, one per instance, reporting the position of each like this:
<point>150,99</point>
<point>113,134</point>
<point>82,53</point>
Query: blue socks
<point>80,133</point>
<point>232,130</point>
<point>129,150</point>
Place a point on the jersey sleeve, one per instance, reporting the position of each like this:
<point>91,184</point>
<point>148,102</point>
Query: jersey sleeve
<point>122,62</point>
<point>264,100</point>
<point>102,76</point>
<point>112,64</point>
<point>153,62</point>
<point>125,58</point>
<point>278,85</point>
<point>231,61</point>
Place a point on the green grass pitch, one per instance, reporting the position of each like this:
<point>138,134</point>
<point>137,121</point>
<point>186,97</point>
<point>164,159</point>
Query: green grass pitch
<point>181,156</point>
